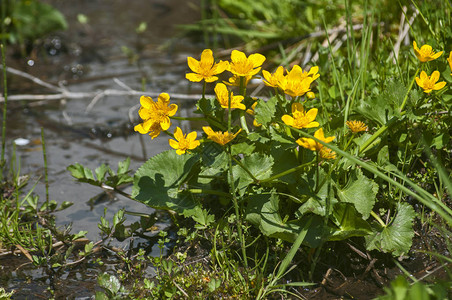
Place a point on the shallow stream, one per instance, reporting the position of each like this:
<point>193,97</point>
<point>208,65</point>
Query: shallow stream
<point>105,53</point>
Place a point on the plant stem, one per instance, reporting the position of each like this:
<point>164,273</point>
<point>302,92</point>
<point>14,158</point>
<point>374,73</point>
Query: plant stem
<point>236,208</point>
<point>408,91</point>
<point>45,166</point>
<point>210,192</point>
<point>204,90</point>
<point>242,112</point>
<point>246,169</point>
<point>5,94</point>
<point>377,217</point>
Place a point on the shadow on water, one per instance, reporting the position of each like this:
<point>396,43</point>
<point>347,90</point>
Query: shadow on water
<point>86,58</point>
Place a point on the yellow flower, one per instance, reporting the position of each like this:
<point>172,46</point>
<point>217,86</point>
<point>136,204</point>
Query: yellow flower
<point>425,53</point>
<point>301,119</point>
<point>183,142</point>
<point>311,144</point>
<point>240,65</point>
<point>273,79</point>
<point>313,73</point>
<point>429,83</point>
<point>155,115</point>
<point>356,126</point>
<point>310,95</point>
<point>206,68</point>
<point>450,62</point>
<point>219,137</point>
<point>251,112</point>
<point>223,97</point>
<point>235,80</point>
<point>295,83</point>
<point>327,153</point>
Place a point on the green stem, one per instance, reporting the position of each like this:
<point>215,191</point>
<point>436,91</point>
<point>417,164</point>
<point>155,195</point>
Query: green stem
<point>294,169</point>
<point>242,113</point>
<point>204,90</point>
<point>377,217</point>
<point>188,118</point>
<point>210,192</point>
<point>45,166</point>
<point>246,170</point>
<point>408,91</point>
<point>236,208</point>
<point>5,93</point>
<point>377,134</point>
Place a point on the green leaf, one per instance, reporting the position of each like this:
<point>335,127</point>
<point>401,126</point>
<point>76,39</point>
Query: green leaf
<point>317,203</point>
<point>395,237</point>
<point>263,211</point>
<point>360,191</point>
<point>348,223</point>
<point>202,217</point>
<point>82,174</point>
<point>157,182</point>
<point>265,111</point>
<point>259,165</point>
<point>123,166</point>
<point>109,283</point>
<point>34,19</point>
<point>101,171</point>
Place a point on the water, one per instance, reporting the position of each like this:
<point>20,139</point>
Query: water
<point>87,58</point>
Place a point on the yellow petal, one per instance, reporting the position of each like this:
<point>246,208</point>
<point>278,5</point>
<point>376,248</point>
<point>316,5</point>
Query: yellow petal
<point>164,97</point>
<point>256,59</point>
<point>439,85</point>
<point>288,120</point>
<point>178,135</point>
<point>297,107</point>
<point>172,110</point>
<point>193,64</point>
<point>208,130</point>
<point>193,144</point>
<point>146,101</point>
<point>312,125</point>
<point>312,114</point>
<point>211,79</point>
<point>193,77</point>
<point>180,151</point>
<point>173,144</point>
<point>207,57</point>
<point>423,75</point>
<point>435,76</point>
<point>237,55</point>
<point>221,66</point>
<point>165,123</point>
<point>436,55</point>
<point>192,136</point>
<point>140,129</point>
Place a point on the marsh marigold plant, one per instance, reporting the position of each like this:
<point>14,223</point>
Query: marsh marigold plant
<point>222,93</point>
<point>241,65</point>
<point>155,115</point>
<point>219,137</point>
<point>300,118</point>
<point>356,126</point>
<point>430,83</point>
<point>183,143</point>
<point>312,144</point>
<point>205,69</point>
<point>425,53</point>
